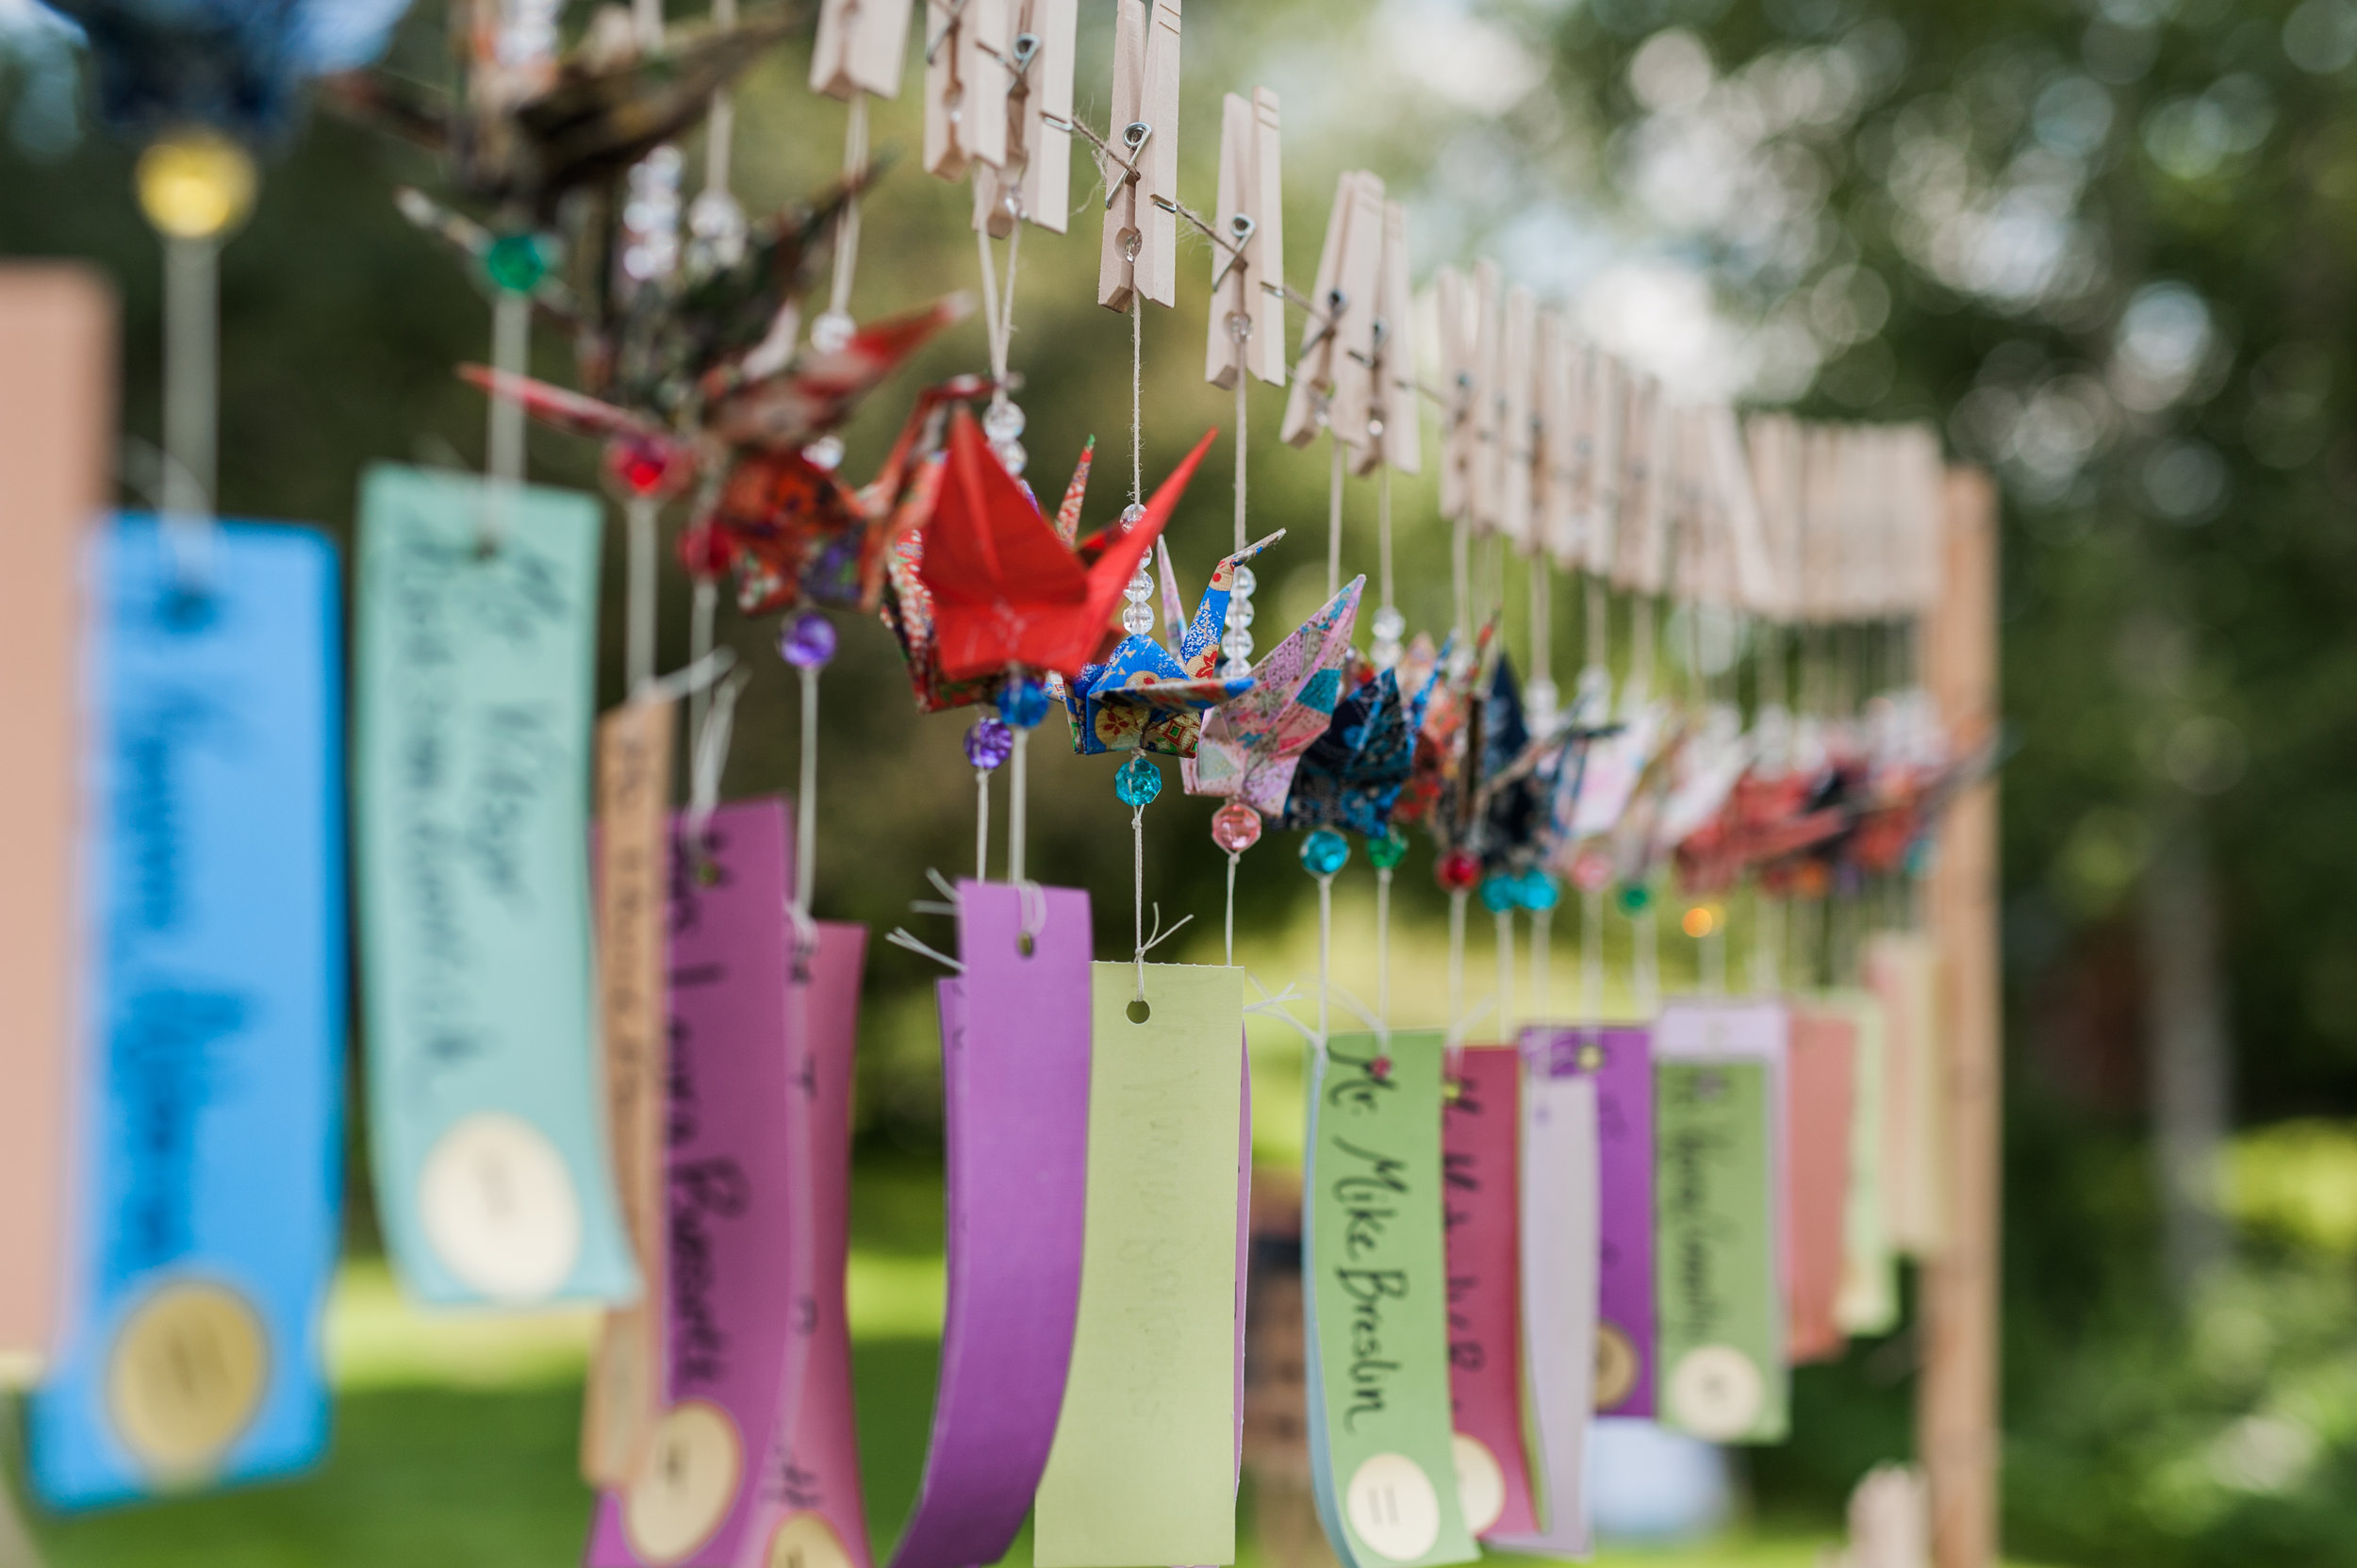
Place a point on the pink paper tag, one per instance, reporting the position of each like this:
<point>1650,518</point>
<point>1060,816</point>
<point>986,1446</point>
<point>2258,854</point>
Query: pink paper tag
<point>758,1167</point>
<point>1479,1147</point>
<point>1818,1079</point>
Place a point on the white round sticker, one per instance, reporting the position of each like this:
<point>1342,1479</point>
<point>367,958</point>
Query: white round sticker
<point>805,1540</point>
<point>1393,1509</point>
<point>184,1378</point>
<point>499,1207</point>
<point>1480,1482</point>
<point>685,1486</point>
<point>1717,1392</point>
<point>1617,1365</point>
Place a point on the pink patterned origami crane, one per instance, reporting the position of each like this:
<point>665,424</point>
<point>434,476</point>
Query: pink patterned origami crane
<point>1251,746</point>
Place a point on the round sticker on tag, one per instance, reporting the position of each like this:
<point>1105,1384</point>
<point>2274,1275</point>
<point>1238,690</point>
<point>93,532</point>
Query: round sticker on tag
<point>807,1540</point>
<point>1480,1483</point>
<point>1716,1393</point>
<point>1393,1509</point>
<point>689,1479</point>
<point>186,1376</point>
<point>1616,1366</point>
<point>499,1210</point>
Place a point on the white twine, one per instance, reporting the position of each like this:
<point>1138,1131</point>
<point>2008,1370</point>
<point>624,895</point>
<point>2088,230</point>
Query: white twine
<point>847,227</point>
<point>1240,444</point>
<point>1383,528</point>
<point>998,307</point>
<point>708,755</point>
<point>1541,938</point>
<point>1461,575</point>
<point>638,623</point>
<point>1383,944</point>
<point>1017,794</point>
<point>1506,967</point>
<point>1233,857</point>
<point>981,824</point>
<point>1334,519</point>
<point>806,799</point>
<point>1592,956</point>
<point>1456,954</point>
<point>1137,398</point>
<point>191,405</point>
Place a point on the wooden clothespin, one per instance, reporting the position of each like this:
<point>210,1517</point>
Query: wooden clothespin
<point>1556,510</point>
<point>1034,183</point>
<point>970,59</point>
<point>1397,399</point>
<point>1335,372</point>
<point>1603,431</point>
<point>1922,486</point>
<point>1772,444</point>
<point>1642,565</point>
<point>1460,392</point>
<point>860,48</point>
<point>1141,248</point>
<point>1489,307</point>
<point>1248,280</point>
<point>1517,411</point>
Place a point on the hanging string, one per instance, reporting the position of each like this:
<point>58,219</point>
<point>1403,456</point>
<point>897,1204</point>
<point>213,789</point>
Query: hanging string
<point>708,758</point>
<point>192,402</point>
<point>1137,402</point>
<point>503,437</point>
<point>1460,582</point>
<point>639,624</point>
<point>1506,970</point>
<point>1383,528</point>
<point>1326,952</point>
<point>1541,938</point>
<point>1383,944</point>
<point>1334,519</point>
<point>981,824</point>
<point>806,798</point>
<point>699,615</point>
<point>1240,541</point>
<point>1019,795</point>
<point>997,308</point>
<point>847,227</point>
<point>1137,903</point>
<point>1456,959</point>
<point>1233,857</point>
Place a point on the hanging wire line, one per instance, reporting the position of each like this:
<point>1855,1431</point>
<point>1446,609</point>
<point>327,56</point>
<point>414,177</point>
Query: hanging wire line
<point>981,824</point>
<point>1137,395</point>
<point>1383,946</point>
<point>1145,943</point>
<point>847,227</point>
<point>806,798</point>
<point>1383,528</point>
<point>1334,517</point>
<point>191,404</point>
<point>1234,856</point>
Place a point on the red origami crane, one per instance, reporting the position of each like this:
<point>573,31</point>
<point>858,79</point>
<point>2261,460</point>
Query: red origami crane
<point>1008,591</point>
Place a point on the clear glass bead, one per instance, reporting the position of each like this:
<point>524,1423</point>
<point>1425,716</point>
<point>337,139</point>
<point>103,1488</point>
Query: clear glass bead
<point>716,225</point>
<point>1384,655</point>
<point>1011,456</point>
<point>1236,643</point>
<point>824,452</point>
<point>1002,422</point>
<point>1235,670</point>
<point>1140,588</point>
<point>1137,618</point>
<point>832,332</point>
<point>1389,625</point>
<point>1246,581</point>
<point>1240,612</point>
<point>1132,516</point>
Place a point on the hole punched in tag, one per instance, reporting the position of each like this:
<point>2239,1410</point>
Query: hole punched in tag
<point>1138,1011</point>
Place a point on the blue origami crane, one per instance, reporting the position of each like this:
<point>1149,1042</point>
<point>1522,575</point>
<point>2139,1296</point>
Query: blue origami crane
<point>1351,776</point>
<point>1149,698</point>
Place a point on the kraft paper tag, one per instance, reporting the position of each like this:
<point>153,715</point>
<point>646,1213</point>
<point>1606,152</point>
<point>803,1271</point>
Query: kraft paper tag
<point>622,1393</point>
<point>57,423</point>
<point>1620,1063</point>
<point>1481,1223</point>
<point>1144,1467</point>
<point>758,1117</point>
<point>1868,1302</point>
<point>1718,1280</point>
<point>211,1144</point>
<point>471,762</point>
<point>1902,970</point>
<point>1817,1127</point>
<point>1560,1229</point>
<point>1015,1040</point>
<point>1381,1452</point>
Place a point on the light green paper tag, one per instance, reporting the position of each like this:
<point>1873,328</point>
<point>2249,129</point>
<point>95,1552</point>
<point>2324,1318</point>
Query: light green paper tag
<point>1377,1290</point>
<point>1142,1473</point>
<point>1722,1348</point>
<point>1869,1303</point>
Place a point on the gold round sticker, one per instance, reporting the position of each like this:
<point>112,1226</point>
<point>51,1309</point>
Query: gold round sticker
<point>805,1540</point>
<point>1716,1393</point>
<point>685,1486</point>
<point>1616,1366</point>
<point>499,1208</point>
<point>1480,1481</point>
<point>184,1378</point>
<point>1393,1507</point>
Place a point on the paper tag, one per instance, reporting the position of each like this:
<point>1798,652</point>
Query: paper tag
<point>1818,1127</point>
<point>470,757</point>
<point>622,1393</point>
<point>212,1144</point>
<point>1381,1446</point>
<point>1481,1227</point>
<point>58,362</point>
<point>1902,970</point>
<point>1620,1063</point>
<point>1718,1284</point>
<point>1559,1230</point>
<point>1868,1302</point>
<point>1015,1038</point>
<point>1143,1469</point>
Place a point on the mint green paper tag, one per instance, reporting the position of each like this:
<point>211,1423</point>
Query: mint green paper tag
<point>1724,1374</point>
<point>473,682</point>
<point>1378,1287</point>
<point>1868,1302</point>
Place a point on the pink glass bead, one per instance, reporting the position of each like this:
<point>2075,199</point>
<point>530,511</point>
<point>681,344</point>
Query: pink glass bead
<point>1591,873</point>
<point>1236,827</point>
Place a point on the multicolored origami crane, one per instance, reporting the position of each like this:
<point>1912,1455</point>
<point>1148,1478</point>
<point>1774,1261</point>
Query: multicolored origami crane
<point>1006,589</point>
<point>1252,747</point>
<point>1149,698</point>
<point>1351,776</point>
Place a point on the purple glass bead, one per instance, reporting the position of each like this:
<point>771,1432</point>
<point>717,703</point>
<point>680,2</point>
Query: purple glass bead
<point>807,641</point>
<point>988,744</point>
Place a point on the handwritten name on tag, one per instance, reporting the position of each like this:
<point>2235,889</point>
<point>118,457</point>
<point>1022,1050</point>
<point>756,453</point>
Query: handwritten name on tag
<point>210,1147</point>
<point>472,752</point>
<point>1480,1147</point>
<point>1143,1469</point>
<point>1720,1283</point>
<point>1380,1446</point>
<point>1015,1039</point>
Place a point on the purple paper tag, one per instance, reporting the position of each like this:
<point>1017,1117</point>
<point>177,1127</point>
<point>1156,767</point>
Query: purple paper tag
<point>1621,1062</point>
<point>1015,1035</point>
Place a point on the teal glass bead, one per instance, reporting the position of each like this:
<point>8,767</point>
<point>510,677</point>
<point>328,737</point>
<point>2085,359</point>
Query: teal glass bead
<point>1138,782</point>
<point>1500,893</point>
<point>516,263</point>
<point>1325,853</point>
<point>1022,703</point>
<point>1634,898</point>
<point>1387,852</point>
<point>1537,890</point>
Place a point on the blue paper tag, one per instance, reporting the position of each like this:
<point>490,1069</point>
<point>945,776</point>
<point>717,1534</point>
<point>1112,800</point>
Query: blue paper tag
<point>473,692</point>
<point>210,1150</point>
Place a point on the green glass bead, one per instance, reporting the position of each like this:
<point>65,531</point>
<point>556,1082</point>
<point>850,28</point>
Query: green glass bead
<point>1634,898</point>
<point>1387,852</point>
<point>516,263</point>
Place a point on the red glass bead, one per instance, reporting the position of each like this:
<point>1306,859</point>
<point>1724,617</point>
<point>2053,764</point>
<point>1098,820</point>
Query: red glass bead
<point>705,552</point>
<point>644,468</point>
<point>1458,871</point>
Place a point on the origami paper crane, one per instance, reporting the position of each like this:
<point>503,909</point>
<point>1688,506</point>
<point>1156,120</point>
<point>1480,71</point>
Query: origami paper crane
<point>908,606</point>
<point>1251,746</point>
<point>1149,698</point>
<point>1439,758</point>
<point>1351,776</point>
<point>1006,589</point>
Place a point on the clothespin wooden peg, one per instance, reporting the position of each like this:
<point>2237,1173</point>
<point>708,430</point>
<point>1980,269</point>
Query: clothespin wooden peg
<point>1460,392</point>
<point>1517,378</point>
<point>1034,184</point>
<point>1336,368</point>
<point>1248,249</point>
<point>1489,307</point>
<point>860,47</point>
<point>1141,246</point>
<point>969,47</point>
<point>1604,431</point>
<point>1555,460</point>
<point>1395,393</point>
